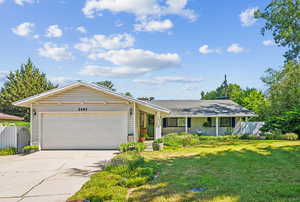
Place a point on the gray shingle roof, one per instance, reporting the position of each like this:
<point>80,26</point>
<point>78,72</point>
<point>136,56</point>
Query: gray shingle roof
<point>204,108</point>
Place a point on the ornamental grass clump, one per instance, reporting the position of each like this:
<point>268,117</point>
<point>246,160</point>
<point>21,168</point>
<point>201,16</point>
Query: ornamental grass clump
<point>126,170</point>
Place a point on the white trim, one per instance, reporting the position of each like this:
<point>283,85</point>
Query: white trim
<point>31,120</point>
<point>134,122</point>
<point>93,86</point>
<point>217,126</point>
<point>203,116</point>
<point>186,124</point>
<point>40,118</point>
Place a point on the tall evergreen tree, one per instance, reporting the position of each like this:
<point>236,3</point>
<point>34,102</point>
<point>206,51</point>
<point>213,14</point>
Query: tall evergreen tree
<point>24,82</point>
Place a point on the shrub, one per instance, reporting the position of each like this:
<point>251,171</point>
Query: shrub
<point>29,148</point>
<point>124,171</point>
<point>145,172</point>
<point>160,140</point>
<point>219,138</point>
<point>98,193</point>
<point>290,136</point>
<point>136,181</point>
<point>176,140</point>
<point>132,146</point>
<point>8,151</point>
<point>286,122</point>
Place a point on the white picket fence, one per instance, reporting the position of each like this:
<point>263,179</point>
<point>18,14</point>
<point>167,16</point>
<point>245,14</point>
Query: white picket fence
<point>14,136</point>
<point>248,128</point>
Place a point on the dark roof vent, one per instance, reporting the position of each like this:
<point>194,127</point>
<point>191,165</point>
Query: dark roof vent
<point>146,98</point>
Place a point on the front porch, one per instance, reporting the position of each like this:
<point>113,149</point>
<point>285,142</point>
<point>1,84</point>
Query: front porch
<point>147,123</point>
<point>210,126</point>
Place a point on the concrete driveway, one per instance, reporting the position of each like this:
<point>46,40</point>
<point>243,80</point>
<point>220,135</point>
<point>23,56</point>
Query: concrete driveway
<point>48,175</point>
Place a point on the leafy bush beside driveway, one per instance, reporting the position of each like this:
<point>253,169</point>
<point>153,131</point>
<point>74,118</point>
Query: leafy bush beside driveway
<point>8,151</point>
<point>124,171</point>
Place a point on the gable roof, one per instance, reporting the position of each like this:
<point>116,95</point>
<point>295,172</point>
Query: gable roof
<point>204,108</point>
<point>27,101</point>
<point>10,117</point>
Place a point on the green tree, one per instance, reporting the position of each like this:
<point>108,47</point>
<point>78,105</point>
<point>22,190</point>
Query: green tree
<point>283,87</point>
<point>24,82</point>
<point>283,20</point>
<point>249,98</point>
<point>106,83</point>
<point>128,94</point>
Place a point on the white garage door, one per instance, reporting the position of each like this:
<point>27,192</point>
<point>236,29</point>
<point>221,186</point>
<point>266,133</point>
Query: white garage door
<point>103,130</point>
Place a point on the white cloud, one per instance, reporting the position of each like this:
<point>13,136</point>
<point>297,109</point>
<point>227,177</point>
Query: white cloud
<point>235,48</point>
<point>206,50</point>
<point>153,26</point>
<point>190,87</point>
<point>99,42</point>
<point>22,2</point>
<point>55,52</point>
<point>36,36</point>
<point>54,31</point>
<point>118,23</point>
<point>3,75</point>
<point>247,17</point>
<point>94,70</point>
<point>140,58</point>
<point>131,62</point>
<point>61,79</point>
<point>142,9</point>
<point>268,43</point>
<point>81,29</point>
<point>23,29</point>
<point>169,79</point>
<point>2,1</point>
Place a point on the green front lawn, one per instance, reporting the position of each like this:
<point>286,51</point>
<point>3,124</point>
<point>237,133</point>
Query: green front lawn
<point>239,170</point>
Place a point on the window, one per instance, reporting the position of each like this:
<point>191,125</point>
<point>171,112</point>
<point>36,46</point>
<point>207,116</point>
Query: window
<point>225,122</point>
<point>176,122</point>
<point>172,122</point>
<point>181,122</point>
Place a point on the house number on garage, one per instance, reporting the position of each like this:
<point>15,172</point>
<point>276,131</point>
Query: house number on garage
<point>82,109</point>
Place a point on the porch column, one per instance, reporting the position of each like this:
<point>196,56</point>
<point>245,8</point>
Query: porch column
<point>186,124</point>
<point>157,125</point>
<point>134,122</point>
<point>217,126</point>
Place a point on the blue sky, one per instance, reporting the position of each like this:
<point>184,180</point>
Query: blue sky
<point>163,48</point>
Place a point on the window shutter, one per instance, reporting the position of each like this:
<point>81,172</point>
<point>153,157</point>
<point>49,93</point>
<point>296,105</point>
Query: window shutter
<point>189,122</point>
<point>164,122</point>
<point>209,121</point>
<point>233,122</point>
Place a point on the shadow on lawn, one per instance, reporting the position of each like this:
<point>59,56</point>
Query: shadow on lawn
<point>267,174</point>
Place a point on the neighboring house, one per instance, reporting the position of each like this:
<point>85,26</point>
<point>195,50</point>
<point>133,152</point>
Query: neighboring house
<point>207,117</point>
<point>87,116</point>
<point>8,118</point>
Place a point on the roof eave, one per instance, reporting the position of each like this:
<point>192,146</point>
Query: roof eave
<point>28,101</point>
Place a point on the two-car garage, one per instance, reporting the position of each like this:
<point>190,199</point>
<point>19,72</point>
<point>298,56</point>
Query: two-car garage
<point>84,115</point>
<point>83,130</point>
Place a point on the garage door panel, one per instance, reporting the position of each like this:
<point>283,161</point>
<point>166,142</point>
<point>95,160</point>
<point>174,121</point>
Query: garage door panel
<point>105,130</point>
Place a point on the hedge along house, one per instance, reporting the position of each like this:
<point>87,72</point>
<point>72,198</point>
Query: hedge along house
<point>87,116</point>
<point>208,117</point>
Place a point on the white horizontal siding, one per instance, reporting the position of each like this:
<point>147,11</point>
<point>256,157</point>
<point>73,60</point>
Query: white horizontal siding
<point>80,94</point>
